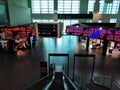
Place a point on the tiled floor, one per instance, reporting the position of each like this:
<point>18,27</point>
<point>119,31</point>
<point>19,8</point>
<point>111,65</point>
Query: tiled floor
<point>20,69</point>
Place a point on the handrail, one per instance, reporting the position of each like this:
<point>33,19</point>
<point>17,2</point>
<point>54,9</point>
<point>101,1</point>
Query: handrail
<point>35,83</point>
<point>84,55</point>
<point>101,80</point>
<point>73,87</point>
<point>42,84</point>
<point>58,54</point>
<point>103,75</point>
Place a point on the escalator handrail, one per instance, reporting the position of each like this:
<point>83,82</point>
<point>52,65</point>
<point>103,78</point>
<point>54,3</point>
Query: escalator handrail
<point>35,82</point>
<point>69,80</point>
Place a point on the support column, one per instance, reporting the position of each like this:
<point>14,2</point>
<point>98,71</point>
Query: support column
<point>55,10</point>
<point>30,6</point>
<point>83,8</point>
<point>118,18</point>
<point>36,32</point>
<point>104,49</point>
<point>104,12</point>
<point>96,6</point>
<point>96,15</point>
<point>87,44</point>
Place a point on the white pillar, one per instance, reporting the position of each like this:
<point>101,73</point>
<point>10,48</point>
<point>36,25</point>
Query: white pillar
<point>55,10</point>
<point>96,6</point>
<point>83,8</point>
<point>96,15</point>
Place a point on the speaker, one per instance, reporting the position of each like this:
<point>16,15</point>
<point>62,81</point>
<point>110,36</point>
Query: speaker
<point>108,1</point>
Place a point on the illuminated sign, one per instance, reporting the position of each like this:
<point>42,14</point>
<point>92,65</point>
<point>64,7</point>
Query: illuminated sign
<point>74,30</point>
<point>49,29</point>
<point>16,32</point>
<point>75,16</point>
<point>93,32</point>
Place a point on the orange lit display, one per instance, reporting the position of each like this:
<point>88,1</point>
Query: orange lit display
<point>16,32</point>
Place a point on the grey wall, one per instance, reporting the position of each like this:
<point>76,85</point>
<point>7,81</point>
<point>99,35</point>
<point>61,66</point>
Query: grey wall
<point>3,14</point>
<point>19,12</point>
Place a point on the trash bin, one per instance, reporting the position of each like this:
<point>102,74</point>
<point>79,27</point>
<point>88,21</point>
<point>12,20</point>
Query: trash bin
<point>43,68</point>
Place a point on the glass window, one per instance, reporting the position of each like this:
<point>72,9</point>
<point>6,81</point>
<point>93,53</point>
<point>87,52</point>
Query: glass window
<point>35,6</point>
<point>89,21</point>
<point>68,6</point>
<point>42,21</point>
<point>109,8</point>
<point>42,6</point>
<point>91,6</point>
<point>67,22</point>
<point>113,20</point>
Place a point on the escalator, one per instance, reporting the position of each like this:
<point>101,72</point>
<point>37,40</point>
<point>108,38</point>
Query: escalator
<point>57,79</point>
<point>57,83</point>
<point>54,81</point>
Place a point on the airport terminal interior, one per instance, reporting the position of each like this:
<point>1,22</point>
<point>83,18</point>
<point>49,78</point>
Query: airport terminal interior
<point>59,44</point>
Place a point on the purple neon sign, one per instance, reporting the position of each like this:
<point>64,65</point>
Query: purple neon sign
<point>74,30</point>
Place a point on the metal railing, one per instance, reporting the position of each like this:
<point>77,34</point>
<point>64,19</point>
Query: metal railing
<point>80,82</point>
<point>107,81</point>
<point>103,80</point>
<point>115,85</point>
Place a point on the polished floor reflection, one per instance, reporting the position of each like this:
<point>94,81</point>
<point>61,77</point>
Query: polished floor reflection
<point>20,69</point>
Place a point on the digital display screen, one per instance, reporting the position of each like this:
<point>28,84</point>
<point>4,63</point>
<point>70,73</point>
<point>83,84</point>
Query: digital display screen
<point>75,16</point>
<point>47,30</point>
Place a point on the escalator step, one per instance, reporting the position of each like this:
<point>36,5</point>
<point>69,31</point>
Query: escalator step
<point>57,82</point>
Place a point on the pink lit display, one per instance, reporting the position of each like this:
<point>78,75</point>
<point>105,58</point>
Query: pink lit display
<point>112,35</point>
<point>89,31</point>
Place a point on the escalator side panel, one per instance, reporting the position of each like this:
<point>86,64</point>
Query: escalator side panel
<point>40,84</point>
